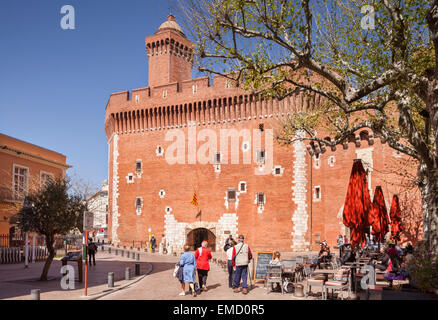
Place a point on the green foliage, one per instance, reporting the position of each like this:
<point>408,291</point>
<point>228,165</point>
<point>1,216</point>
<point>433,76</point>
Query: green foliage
<point>423,268</point>
<point>51,210</point>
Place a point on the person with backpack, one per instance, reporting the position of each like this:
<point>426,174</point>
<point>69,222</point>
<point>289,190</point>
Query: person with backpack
<point>92,248</point>
<point>240,258</point>
<point>203,256</point>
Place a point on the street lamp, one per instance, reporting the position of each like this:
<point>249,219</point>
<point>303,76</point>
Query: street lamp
<point>150,246</point>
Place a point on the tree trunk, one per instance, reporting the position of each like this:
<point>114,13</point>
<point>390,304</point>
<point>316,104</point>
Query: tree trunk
<point>429,198</point>
<point>51,249</point>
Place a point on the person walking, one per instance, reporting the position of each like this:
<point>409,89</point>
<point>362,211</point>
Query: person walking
<point>92,248</point>
<point>230,263</point>
<point>188,262</point>
<point>203,256</point>
<point>153,243</point>
<point>340,241</point>
<point>164,243</point>
<point>240,259</point>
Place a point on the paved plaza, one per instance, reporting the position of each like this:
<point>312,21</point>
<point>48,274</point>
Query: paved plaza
<point>156,281</point>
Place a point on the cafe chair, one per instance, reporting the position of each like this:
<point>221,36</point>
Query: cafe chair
<point>273,275</point>
<point>317,281</point>
<point>289,267</point>
<point>341,282</point>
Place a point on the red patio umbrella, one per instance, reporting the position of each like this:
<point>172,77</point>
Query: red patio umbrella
<point>378,218</point>
<point>395,215</point>
<point>357,205</point>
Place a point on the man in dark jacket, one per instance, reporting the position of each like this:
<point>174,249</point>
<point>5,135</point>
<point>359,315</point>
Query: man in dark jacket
<point>92,248</point>
<point>153,243</point>
<point>384,258</point>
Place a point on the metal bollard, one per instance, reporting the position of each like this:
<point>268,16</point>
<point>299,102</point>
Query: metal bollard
<point>35,294</point>
<point>137,269</point>
<point>103,248</point>
<point>110,279</point>
<point>109,249</point>
<point>127,273</point>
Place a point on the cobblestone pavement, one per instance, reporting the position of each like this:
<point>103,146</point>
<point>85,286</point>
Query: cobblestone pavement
<point>16,282</point>
<point>161,285</point>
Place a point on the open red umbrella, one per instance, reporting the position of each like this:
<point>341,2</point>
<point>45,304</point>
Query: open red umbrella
<point>395,215</point>
<point>357,205</point>
<point>378,218</point>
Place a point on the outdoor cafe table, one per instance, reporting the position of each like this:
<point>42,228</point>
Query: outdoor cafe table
<point>353,266</point>
<point>325,272</point>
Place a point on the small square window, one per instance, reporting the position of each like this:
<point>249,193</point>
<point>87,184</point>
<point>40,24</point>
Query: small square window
<point>317,238</point>
<point>130,177</point>
<point>277,171</point>
<point>159,151</point>
<point>231,195</point>
<point>317,193</point>
<point>242,186</point>
<point>138,165</point>
<point>261,127</point>
<point>331,161</point>
<point>138,204</point>
<point>261,156</point>
<point>260,198</point>
<point>217,158</point>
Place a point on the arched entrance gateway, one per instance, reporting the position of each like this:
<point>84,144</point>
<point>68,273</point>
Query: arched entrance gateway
<point>196,236</point>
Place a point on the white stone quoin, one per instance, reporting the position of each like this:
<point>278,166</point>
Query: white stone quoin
<point>176,232</point>
<point>115,207</point>
<point>300,216</point>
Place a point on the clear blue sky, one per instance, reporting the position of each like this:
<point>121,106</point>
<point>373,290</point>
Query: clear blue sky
<point>55,83</point>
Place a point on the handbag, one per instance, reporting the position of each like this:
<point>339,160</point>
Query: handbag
<point>175,270</point>
<point>234,258</point>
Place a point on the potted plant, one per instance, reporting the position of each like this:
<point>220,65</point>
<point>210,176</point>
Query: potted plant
<point>423,274</point>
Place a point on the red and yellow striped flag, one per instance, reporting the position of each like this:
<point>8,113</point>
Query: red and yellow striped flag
<point>194,200</point>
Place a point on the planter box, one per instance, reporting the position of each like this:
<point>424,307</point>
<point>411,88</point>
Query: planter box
<point>407,294</point>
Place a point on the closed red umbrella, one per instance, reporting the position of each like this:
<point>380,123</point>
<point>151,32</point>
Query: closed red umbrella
<point>395,215</point>
<point>357,205</point>
<point>378,218</point>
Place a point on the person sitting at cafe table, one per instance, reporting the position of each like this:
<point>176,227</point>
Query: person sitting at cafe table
<point>324,255</point>
<point>348,254</point>
<point>382,260</point>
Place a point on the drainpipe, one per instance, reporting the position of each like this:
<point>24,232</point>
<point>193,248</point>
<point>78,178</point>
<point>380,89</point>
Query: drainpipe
<point>311,201</point>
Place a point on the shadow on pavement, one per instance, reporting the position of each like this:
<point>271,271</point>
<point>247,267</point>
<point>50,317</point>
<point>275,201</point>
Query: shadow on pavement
<point>15,281</point>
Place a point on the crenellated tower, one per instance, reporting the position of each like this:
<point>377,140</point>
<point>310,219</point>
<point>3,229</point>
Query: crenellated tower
<point>170,54</point>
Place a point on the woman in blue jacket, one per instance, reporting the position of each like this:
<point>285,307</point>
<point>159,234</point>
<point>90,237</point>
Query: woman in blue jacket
<point>188,262</point>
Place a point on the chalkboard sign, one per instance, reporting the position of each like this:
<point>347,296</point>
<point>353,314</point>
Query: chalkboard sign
<point>263,259</point>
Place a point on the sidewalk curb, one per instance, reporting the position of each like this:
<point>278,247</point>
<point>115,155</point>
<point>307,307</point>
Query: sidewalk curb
<point>102,294</point>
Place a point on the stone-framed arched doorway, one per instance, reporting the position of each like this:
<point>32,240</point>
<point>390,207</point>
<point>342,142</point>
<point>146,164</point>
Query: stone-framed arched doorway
<point>196,236</point>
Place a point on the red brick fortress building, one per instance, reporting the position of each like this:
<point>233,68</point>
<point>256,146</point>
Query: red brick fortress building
<point>279,197</point>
